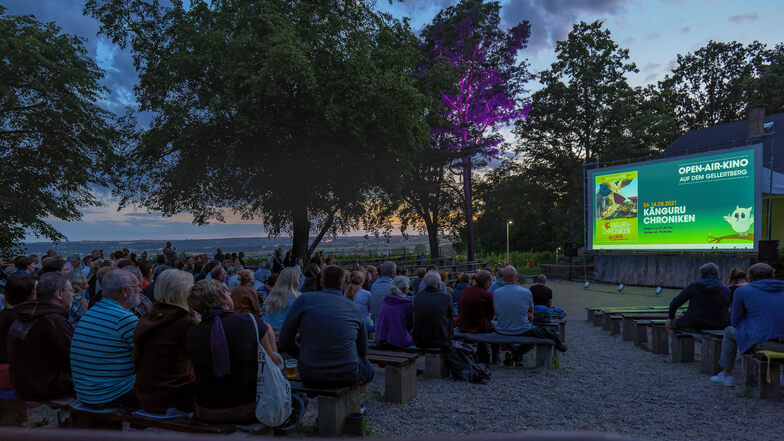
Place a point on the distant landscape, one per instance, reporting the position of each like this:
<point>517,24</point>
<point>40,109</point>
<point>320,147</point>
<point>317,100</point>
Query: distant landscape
<point>252,246</point>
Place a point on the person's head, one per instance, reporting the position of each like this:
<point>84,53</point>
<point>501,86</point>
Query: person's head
<point>220,251</point>
<point>206,296</point>
<point>56,289</point>
<point>19,289</point>
<point>444,276</point>
<point>74,259</point>
<point>333,277</point>
<point>285,288</point>
<point>55,266</point>
<point>463,278</point>
<point>509,274</point>
<point>372,271</point>
<point>312,270</point>
<point>218,273</point>
<point>432,279</point>
<point>737,276</point>
<point>541,279</point>
<point>421,273</point>
<point>356,279</point>
<point>279,252</point>
<point>51,253</point>
<point>145,268</point>
<point>400,286</point>
<point>160,259</point>
<point>102,272</point>
<point>484,279</point>
<point>168,244</point>
<point>710,269</point>
<point>272,281</point>
<point>25,263</point>
<point>122,287</point>
<point>87,261</point>
<point>246,277</point>
<point>172,287</point>
<point>78,281</point>
<point>760,271</point>
<point>431,268</point>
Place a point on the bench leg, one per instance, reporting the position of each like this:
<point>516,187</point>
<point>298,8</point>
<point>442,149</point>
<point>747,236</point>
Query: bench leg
<point>544,356</point>
<point>627,330</point>
<point>757,377</point>
<point>435,366</point>
<point>334,411</point>
<point>640,335</point>
<point>661,340</point>
<point>590,316</point>
<point>682,348</point>
<point>400,383</point>
<point>598,319</point>
<point>616,327</point>
<point>711,351</point>
<point>562,329</point>
<point>607,322</point>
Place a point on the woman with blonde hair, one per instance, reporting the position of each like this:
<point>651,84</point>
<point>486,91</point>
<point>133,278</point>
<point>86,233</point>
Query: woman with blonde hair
<point>164,373</point>
<point>245,298</point>
<point>360,296</point>
<point>281,297</point>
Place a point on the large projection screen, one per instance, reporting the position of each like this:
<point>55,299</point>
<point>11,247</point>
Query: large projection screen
<point>699,202</point>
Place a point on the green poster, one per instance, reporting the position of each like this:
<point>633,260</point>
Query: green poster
<point>705,202</point>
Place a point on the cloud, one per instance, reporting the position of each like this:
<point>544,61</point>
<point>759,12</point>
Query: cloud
<point>551,20</point>
<point>686,29</point>
<point>653,35</point>
<point>650,66</point>
<point>738,19</point>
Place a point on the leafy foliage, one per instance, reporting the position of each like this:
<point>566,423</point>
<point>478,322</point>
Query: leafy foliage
<point>55,141</point>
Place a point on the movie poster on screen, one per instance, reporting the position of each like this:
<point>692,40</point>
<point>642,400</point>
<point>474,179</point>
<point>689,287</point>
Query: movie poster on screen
<point>697,202</point>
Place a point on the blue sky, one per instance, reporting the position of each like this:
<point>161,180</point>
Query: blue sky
<point>653,31</point>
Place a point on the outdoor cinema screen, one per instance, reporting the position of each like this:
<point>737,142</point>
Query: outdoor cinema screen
<point>698,202</point>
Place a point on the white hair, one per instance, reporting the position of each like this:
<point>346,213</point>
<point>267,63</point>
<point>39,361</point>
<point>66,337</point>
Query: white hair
<point>432,279</point>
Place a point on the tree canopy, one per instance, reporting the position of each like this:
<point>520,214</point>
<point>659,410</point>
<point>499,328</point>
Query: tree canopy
<point>292,112</point>
<point>55,141</point>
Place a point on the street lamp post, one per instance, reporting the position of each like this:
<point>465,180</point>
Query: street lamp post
<point>507,240</point>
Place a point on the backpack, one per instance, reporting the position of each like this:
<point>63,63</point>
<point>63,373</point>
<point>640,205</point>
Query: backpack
<point>461,360</point>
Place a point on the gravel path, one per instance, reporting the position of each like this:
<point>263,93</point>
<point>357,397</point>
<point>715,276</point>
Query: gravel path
<point>604,384</point>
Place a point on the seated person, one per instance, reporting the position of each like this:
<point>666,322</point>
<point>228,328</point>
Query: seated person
<point>164,373</point>
<point>542,293</point>
<point>244,297</point>
<point>360,296</point>
<point>757,321</point>
<point>102,346</point>
<point>281,297</point>
<point>709,302</point>
<point>396,316</point>
<point>224,352</point>
<point>514,307</point>
<point>462,283</point>
<point>433,314</point>
<point>18,289</point>
<point>39,341</point>
<point>333,338</point>
<point>476,305</point>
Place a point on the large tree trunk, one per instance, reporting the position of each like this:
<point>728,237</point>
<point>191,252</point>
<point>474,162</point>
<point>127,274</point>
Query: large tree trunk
<point>320,235</point>
<point>432,237</point>
<point>301,232</point>
<point>468,209</point>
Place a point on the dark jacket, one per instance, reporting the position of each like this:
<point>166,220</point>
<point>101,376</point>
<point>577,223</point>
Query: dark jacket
<point>457,293</point>
<point>164,373</point>
<point>709,302</point>
<point>542,294</point>
<point>332,337</point>
<point>39,345</point>
<point>477,311</point>
<point>310,285</point>
<point>395,319</point>
<point>239,387</point>
<point>433,319</point>
<point>7,316</point>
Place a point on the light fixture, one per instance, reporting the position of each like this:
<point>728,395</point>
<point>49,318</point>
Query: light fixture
<point>587,284</point>
<point>658,290</point>
<point>620,287</point>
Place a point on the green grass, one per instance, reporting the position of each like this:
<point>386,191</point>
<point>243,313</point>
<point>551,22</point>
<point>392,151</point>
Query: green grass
<point>743,394</point>
<point>366,429</point>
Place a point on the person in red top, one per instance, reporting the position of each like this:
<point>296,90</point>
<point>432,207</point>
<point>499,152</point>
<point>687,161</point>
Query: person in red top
<point>477,313</point>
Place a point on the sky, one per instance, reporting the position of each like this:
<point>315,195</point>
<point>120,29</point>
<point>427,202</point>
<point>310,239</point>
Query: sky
<point>655,32</point>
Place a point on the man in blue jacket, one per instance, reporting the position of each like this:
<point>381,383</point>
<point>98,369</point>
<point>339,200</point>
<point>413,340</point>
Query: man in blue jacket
<point>757,320</point>
<point>709,302</point>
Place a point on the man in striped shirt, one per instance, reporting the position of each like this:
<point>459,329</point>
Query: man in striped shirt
<point>102,346</point>
<point>380,288</point>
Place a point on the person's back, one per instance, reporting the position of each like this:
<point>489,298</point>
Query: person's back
<point>709,302</point>
<point>276,317</point>
<point>362,300</point>
<point>512,303</point>
<point>380,288</point>
<point>395,321</point>
<point>433,315</point>
<point>477,310</point>
<point>758,312</point>
<point>102,346</point>
<point>542,294</point>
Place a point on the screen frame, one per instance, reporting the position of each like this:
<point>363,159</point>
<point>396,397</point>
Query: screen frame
<point>758,172</point>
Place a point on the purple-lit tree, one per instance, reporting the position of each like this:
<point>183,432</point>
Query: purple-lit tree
<point>487,88</point>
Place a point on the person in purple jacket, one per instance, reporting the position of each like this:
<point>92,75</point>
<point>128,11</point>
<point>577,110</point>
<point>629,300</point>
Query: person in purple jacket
<point>396,316</point>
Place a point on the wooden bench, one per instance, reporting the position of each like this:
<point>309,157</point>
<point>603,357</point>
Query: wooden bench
<point>399,373</point>
<point>73,417</point>
<point>335,406</point>
<point>762,376</point>
<point>435,361</point>
<point>682,347</point>
<point>544,346</point>
<point>556,325</point>
<point>659,342</point>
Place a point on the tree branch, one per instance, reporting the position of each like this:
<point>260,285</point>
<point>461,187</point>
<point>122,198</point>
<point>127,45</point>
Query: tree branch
<point>324,229</point>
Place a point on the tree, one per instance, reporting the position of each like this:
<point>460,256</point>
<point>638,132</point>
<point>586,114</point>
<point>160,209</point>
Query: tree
<point>488,87</point>
<point>768,89</point>
<point>711,85</point>
<point>585,112</point>
<point>294,112</point>
<point>55,141</point>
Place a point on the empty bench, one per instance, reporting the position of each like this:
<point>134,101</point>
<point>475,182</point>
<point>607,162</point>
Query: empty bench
<point>544,346</point>
<point>762,374</point>
<point>399,373</point>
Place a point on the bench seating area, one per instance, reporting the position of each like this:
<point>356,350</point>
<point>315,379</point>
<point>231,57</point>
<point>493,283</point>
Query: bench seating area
<point>399,373</point>
<point>544,346</point>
